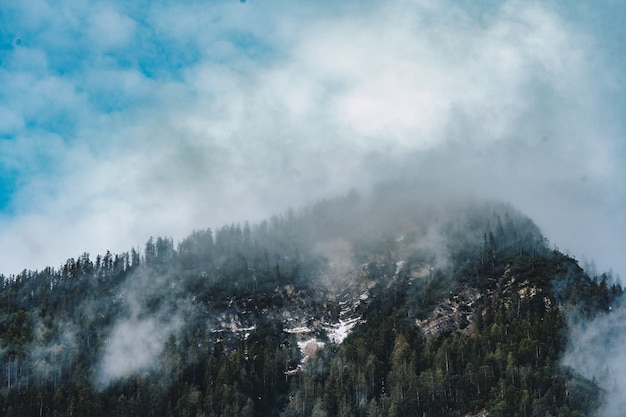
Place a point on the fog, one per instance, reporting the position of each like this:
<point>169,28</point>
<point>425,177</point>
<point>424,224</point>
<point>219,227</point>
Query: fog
<point>138,336</point>
<point>120,122</point>
<point>596,350</point>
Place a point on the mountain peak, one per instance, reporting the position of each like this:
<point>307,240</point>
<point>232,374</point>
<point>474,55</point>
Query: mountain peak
<point>351,306</point>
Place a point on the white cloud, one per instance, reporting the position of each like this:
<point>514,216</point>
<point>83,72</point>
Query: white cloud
<point>133,347</point>
<point>596,350</point>
<point>108,28</point>
<point>10,121</point>
<point>247,109</point>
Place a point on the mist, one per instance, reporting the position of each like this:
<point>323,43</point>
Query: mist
<point>120,122</point>
<point>125,123</point>
<point>138,326</point>
<point>596,350</point>
<point>153,311</point>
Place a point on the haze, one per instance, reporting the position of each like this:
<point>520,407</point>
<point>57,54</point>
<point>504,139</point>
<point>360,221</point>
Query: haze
<point>122,121</point>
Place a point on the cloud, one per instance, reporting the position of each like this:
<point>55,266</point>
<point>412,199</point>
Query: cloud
<point>133,347</point>
<point>108,28</point>
<point>52,358</point>
<point>596,350</point>
<point>174,117</point>
<point>151,311</point>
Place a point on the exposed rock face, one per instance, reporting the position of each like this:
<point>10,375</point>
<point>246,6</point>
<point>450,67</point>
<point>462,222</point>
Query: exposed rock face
<point>450,315</point>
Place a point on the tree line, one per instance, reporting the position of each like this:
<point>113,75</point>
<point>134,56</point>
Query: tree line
<point>56,324</point>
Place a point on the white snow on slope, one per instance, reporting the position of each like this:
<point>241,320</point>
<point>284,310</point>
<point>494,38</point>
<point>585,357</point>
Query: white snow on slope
<point>337,332</point>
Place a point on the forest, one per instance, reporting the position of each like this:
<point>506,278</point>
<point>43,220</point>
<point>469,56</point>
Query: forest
<point>448,307</point>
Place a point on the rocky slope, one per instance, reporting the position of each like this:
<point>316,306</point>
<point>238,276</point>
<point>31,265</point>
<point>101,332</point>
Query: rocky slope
<point>384,306</point>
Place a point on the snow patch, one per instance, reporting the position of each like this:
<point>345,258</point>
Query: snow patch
<point>298,330</point>
<point>399,266</point>
<point>337,332</point>
<point>308,347</point>
<point>233,328</point>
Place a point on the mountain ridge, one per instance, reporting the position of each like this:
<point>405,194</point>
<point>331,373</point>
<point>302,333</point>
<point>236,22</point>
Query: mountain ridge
<point>379,305</point>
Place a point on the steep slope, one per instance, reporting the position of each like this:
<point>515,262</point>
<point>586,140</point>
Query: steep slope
<point>490,347</point>
<point>384,305</point>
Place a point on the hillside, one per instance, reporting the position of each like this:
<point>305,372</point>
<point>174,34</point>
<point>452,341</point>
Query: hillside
<point>389,304</point>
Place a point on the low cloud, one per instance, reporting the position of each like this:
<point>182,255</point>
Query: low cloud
<point>52,358</point>
<point>134,346</point>
<point>596,350</point>
<point>152,311</point>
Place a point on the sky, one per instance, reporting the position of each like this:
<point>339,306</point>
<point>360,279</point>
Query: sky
<point>124,120</point>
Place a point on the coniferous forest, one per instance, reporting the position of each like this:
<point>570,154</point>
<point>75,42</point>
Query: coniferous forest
<point>390,304</point>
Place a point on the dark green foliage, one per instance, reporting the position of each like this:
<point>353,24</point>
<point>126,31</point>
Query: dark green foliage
<point>56,325</point>
<point>509,364</point>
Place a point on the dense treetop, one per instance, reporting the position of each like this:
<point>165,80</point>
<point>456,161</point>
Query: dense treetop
<point>209,326</point>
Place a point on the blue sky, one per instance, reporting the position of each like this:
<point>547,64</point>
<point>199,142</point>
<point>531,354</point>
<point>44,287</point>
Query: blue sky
<point>122,120</point>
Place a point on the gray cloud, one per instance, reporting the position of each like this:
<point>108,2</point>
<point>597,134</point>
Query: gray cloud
<point>152,310</point>
<point>275,106</point>
<point>134,346</point>
<point>596,350</point>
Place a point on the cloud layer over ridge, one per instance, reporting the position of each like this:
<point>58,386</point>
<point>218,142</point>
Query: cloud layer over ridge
<point>121,121</point>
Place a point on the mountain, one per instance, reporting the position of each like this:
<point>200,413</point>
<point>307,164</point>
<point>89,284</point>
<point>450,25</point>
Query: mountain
<point>396,303</point>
